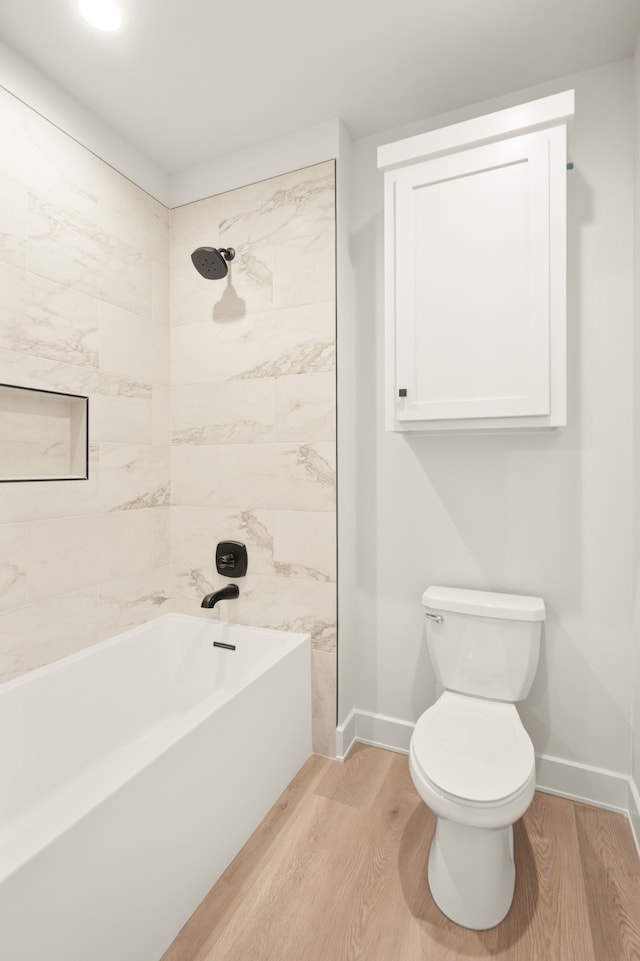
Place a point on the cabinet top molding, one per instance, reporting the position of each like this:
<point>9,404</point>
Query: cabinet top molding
<point>525,118</point>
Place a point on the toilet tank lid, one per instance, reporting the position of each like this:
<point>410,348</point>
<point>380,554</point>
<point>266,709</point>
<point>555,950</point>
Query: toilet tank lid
<point>484,603</point>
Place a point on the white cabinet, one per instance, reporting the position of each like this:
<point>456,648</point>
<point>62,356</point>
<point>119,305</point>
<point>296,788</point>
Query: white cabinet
<point>475,228</point>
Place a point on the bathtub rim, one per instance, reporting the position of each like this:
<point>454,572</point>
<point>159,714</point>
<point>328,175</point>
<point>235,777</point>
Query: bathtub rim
<point>78,656</point>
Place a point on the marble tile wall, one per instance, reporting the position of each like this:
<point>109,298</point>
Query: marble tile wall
<point>253,412</point>
<point>244,430</point>
<point>84,308</point>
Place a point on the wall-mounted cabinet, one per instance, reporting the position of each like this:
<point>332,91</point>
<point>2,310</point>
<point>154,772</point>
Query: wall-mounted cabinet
<point>475,290</point>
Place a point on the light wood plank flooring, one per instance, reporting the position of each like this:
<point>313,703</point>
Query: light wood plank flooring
<point>336,872</point>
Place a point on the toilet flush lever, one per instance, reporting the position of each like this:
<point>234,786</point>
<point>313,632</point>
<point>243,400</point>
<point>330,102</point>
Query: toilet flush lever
<point>434,617</point>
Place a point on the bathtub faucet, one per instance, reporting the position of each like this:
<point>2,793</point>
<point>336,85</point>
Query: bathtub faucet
<point>227,593</point>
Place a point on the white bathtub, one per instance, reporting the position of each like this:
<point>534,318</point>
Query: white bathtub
<point>130,776</point>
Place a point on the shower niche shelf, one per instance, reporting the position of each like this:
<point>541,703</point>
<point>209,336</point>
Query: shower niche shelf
<point>475,287</point>
<point>43,435</point>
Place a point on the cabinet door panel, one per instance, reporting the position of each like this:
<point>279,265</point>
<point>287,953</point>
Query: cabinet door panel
<point>472,283</point>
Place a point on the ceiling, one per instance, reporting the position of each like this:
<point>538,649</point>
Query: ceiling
<point>185,81</point>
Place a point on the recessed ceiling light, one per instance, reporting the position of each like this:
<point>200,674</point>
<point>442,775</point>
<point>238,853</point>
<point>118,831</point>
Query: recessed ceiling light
<point>101,14</point>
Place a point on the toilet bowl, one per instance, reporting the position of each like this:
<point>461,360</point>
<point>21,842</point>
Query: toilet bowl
<point>470,758</point>
<point>473,765</point>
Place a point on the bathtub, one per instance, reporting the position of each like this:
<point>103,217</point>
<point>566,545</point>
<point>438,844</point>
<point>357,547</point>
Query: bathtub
<point>132,773</point>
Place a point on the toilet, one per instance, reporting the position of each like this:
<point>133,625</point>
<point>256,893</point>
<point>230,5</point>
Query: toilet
<point>470,758</point>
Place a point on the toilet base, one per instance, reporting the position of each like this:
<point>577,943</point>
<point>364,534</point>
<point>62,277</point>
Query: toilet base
<point>472,873</point>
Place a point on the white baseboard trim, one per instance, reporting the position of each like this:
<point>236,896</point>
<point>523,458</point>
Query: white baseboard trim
<point>554,775</point>
<point>581,782</point>
<point>346,736</point>
<point>375,729</point>
<point>634,812</point>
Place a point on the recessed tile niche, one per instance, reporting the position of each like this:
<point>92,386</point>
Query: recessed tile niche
<point>43,435</point>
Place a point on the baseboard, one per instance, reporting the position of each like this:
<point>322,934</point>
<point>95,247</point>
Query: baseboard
<point>581,782</point>
<point>554,775</point>
<point>375,729</point>
<point>346,736</point>
<point>633,802</point>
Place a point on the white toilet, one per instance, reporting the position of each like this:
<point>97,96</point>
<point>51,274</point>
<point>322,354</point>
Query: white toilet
<point>471,760</point>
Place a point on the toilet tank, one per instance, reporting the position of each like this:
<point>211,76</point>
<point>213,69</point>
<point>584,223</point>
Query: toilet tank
<point>483,643</point>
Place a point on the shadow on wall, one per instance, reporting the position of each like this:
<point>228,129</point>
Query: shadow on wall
<point>505,511</point>
<point>367,256</point>
<point>230,306</point>
<point>425,689</point>
<point>580,215</point>
<point>569,695</point>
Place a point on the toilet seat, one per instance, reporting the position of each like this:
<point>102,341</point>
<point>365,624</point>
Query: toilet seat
<point>473,751</point>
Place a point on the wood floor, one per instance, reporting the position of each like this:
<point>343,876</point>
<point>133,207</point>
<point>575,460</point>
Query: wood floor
<point>336,872</point>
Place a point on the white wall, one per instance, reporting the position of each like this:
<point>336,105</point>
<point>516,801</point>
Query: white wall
<point>28,84</point>
<point>347,428</point>
<point>224,173</point>
<point>634,801</point>
<point>282,155</point>
<point>544,513</point>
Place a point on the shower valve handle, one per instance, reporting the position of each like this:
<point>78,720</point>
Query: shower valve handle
<point>231,559</point>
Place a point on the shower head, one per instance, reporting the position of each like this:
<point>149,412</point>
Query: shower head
<point>211,262</point>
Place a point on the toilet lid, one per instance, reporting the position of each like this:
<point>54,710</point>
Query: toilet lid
<point>473,749</point>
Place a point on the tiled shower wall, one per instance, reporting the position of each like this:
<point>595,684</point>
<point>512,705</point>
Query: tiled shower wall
<point>84,308</point>
<point>253,412</point>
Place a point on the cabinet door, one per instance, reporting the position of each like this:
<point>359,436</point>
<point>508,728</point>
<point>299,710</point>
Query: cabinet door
<point>471,285</point>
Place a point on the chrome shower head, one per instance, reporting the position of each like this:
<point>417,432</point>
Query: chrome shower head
<point>212,262</point>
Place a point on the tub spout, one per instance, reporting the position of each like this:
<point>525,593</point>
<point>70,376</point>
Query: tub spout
<point>227,593</point>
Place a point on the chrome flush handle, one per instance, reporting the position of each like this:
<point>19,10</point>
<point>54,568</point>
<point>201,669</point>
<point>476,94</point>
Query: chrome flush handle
<point>434,617</point>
